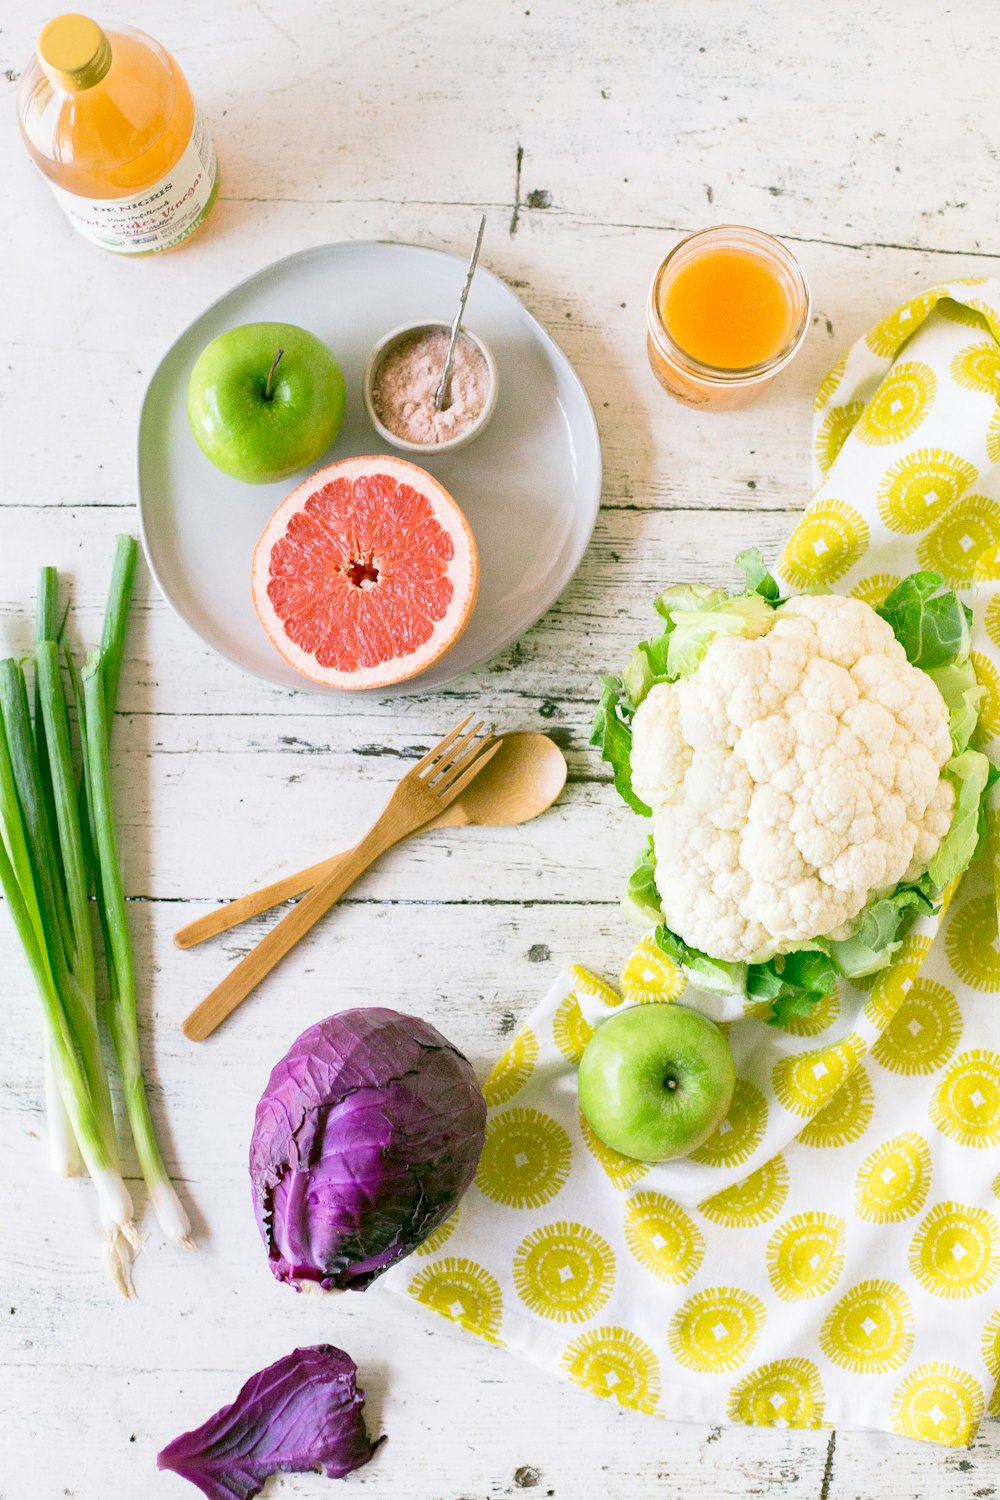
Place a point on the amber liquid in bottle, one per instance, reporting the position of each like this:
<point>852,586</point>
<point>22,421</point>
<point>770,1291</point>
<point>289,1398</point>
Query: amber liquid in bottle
<point>109,119</point>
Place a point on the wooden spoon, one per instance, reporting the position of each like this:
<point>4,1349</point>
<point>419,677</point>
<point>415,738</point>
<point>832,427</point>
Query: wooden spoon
<point>524,778</point>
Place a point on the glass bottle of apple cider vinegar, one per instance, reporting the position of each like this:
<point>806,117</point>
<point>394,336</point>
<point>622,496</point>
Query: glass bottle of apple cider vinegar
<point>109,119</point>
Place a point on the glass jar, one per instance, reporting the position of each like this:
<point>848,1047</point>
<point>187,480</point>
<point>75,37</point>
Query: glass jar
<point>109,119</point>
<point>743,305</point>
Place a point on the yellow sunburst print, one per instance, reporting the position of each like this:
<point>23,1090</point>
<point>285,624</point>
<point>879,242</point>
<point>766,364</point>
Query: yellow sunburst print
<point>893,1183</point>
<point>870,1330</point>
<point>957,312</point>
<point>805,1256</point>
<point>784,1393</point>
<point>716,1329</point>
<point>740,1133</point>
<point>989,704</point>
<point>876,588</point>
<point>991,620</point>
<point>624,1171</point>
<point>845,1118</point>
<point>754,1200</point>
<point>918,490</point>
<point>830,382</point>
<point>977,368</point>
<point>971,943</point>
<point>938,1403</point>
<point>663,1238</point>
<point>434,1242</point>
<point>956,1251</point>
<point>806,1082</point>
<point>828,540</point>
<point>923,1033</point>
<point>463,1291</point>
<point>988,312</point>
<point>887,336</point>
<point>966,1103</point>
<point>834,430</point>
<point>953,547</point>
<point>571,1031</point>
<point>892,985</point>
<point>990,1347</point>
<point>993,438</point>
<point>650,976</point>
<point>615,1363</point>
<point>587,986</point>
<point>564,1272</point>
<point>899,405</point>
<point>526,1158</point>
<point>512,1069</point>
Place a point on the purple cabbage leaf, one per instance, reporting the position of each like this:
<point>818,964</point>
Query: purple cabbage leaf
<point>302,1414</point>
<point>368,1133</point>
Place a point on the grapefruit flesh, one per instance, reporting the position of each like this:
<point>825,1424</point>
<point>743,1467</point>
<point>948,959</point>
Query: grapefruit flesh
<point>366,574</point>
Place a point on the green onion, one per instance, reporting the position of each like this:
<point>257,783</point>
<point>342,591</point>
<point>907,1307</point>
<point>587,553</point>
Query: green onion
<point>99,1153</point>
<point>64,1151</point>
<point>116,618</point>
<point>122,1014</point>
<point>81,990</point>
<point>57,836</point>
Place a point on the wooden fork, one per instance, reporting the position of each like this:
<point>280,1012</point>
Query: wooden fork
<point>424,792</point>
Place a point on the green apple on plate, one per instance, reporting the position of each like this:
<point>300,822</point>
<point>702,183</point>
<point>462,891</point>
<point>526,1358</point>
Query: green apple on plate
<point>656,1081</point>
<point>265,400</point>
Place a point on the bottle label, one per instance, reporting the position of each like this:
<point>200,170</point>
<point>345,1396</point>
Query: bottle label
<point>159,217</point>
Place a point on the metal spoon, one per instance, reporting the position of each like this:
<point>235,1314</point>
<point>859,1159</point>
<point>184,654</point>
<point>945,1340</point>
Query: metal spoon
<point>441,394</point>
<point>524,777</point>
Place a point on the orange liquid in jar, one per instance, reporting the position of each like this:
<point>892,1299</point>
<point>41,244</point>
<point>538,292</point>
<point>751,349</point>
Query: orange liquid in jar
<point>728,308</point>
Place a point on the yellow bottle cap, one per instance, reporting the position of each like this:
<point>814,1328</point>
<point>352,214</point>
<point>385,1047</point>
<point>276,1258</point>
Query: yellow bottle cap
<point>74,52</point>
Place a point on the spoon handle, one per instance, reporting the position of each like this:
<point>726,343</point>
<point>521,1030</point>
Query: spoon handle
<point>223,918</point>
<point>441,394</point>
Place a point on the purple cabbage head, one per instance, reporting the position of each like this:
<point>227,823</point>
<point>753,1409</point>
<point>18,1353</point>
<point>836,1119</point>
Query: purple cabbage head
<point>368,1133</point>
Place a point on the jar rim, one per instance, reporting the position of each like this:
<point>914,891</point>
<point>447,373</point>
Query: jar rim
<point>754,239</point>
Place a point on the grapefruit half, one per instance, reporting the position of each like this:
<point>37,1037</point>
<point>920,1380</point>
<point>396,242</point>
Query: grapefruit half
<point>366,573</point>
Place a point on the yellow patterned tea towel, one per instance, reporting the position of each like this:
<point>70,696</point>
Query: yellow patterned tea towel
<point>831,1254</point>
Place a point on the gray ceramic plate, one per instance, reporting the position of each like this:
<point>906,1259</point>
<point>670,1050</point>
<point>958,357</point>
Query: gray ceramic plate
<point>530,484</point>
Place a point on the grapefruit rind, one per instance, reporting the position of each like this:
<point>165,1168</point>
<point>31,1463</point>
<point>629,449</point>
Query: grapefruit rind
<point>462,571</point>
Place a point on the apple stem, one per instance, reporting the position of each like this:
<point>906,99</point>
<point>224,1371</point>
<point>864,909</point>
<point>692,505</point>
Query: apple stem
<point>270,374</point>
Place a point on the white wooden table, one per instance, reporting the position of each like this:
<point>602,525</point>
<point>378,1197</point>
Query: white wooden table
<point>594,132</point>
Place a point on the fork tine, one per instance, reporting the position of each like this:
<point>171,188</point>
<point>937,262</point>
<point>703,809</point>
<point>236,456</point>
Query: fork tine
<point>456,763</point>
<point>455,754</point>
<point>441,746</point>
<point>458,766</point>
<point>455,788</point>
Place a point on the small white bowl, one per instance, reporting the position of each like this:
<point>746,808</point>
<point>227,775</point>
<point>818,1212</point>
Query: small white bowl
<point>388,343</point>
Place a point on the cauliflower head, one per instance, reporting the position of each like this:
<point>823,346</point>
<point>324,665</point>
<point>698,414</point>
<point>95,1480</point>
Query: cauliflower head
<point>791,777</point>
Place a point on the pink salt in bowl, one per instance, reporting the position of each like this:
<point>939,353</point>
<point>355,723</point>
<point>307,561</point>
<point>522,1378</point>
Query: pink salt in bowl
<point>402,374</point>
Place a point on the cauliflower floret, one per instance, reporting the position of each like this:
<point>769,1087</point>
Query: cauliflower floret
<point>937,821</point>
<point>791,777</point>
<point>660,753</point>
